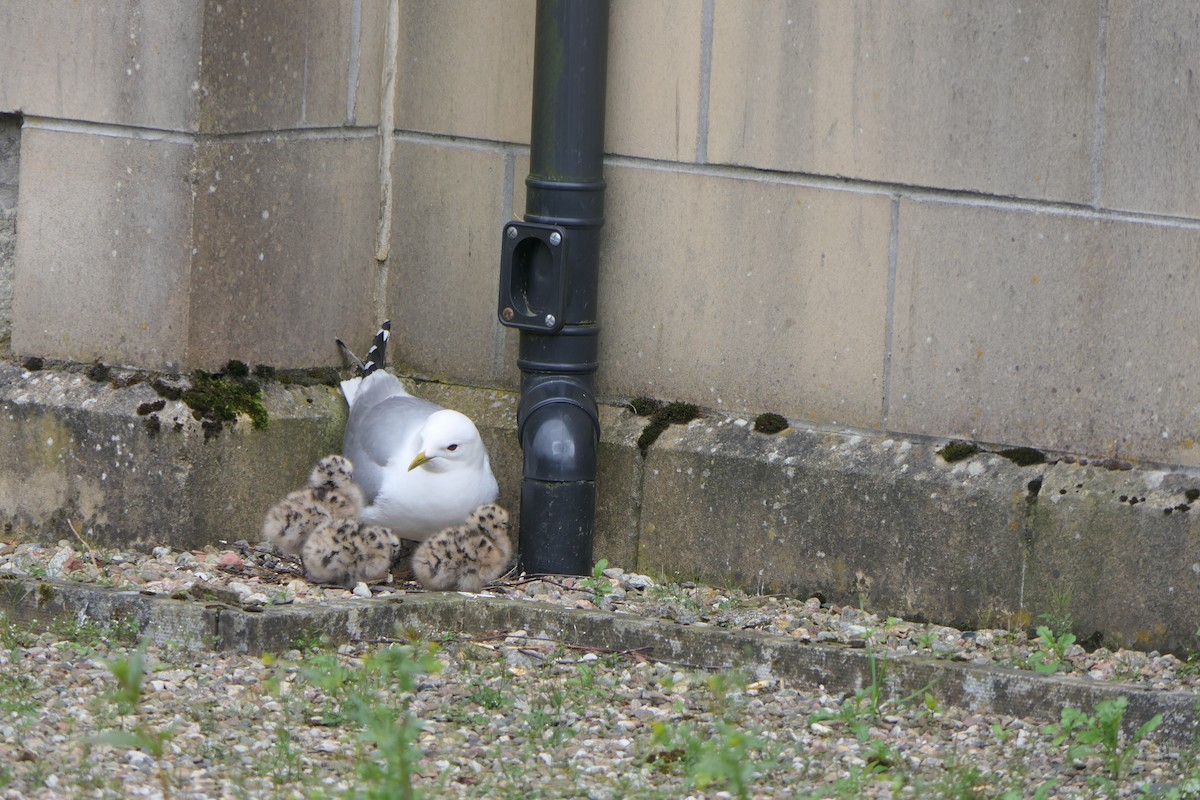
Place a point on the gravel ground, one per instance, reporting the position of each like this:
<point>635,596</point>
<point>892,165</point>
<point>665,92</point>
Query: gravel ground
<point>511,716</point>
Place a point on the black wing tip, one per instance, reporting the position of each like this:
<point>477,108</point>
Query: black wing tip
<point>378,352</point>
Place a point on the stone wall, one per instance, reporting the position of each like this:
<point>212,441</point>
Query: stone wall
<point>937,220</point>
<point>933,219</point>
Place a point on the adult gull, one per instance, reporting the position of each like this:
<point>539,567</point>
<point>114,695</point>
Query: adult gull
<point>421,467</point>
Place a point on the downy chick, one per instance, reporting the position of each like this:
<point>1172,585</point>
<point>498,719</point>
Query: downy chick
<point>344,552</point>
<point>331,494</point>
<point>468,556</point>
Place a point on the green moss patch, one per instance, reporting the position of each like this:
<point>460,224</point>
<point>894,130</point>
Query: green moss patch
<point>217,398</point>
<point>958,451</point>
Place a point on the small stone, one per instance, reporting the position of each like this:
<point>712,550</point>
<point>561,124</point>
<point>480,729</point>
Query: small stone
<point>362,590</point>
<point>639,582</point>
<point>151,573</point>
<point>57,564</point>
<point>230,559</point>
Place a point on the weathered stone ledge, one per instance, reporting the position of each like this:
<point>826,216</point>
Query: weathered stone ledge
<point>196,625</point>
<point>883,522</point>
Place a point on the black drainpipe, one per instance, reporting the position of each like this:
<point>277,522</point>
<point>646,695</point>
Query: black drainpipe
<point>549,270</point>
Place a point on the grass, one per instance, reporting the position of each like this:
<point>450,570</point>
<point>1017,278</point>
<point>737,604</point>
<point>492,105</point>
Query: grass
<point>418,717</point>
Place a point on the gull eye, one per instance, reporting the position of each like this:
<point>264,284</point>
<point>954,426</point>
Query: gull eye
<point>452,448</point>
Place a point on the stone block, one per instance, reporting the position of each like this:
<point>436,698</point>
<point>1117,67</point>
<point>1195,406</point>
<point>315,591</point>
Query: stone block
<point>80,451</point>
<point>126,62</point>
<point>1151,139</point>
<point>1119,552</point>
<point>278,64</point>
<point>105,248</point>
<point>886,524</point>
<point>284,239</point>
<point>444,268</point>
<point>991,97</point>
<point>371,52</point>
<point>161,621</point>
<point>744,295</point>
<point>1056,331</point>
<point>653,79</point>
<point>466,69</point>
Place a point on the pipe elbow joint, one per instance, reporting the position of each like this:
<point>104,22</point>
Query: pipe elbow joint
<point>559,426</point>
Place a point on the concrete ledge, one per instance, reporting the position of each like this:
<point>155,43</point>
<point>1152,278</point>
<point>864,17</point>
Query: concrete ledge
<point>886,523</point>
<point>837,668</point>
<point>126,476</point>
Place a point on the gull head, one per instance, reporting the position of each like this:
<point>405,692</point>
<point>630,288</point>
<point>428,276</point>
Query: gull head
<point>448,440</point>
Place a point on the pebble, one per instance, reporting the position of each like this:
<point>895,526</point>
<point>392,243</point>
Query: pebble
<point>362,590</point>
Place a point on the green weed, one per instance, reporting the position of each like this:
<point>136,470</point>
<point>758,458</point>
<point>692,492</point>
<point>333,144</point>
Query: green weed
<point>376,698</point>
<point>1100,734</point>
<point>1051,655</point>
<point>597,582</point>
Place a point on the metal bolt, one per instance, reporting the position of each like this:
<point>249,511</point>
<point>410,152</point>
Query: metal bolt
<point>555,238</point>
<point>512,233</point>
<point>550,320</point>
<point>508,313</point>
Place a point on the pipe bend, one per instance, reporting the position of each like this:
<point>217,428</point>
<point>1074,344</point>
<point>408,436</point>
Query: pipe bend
<point>559,426</point>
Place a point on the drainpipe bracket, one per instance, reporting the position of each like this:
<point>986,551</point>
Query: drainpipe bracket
<point>533,276</point>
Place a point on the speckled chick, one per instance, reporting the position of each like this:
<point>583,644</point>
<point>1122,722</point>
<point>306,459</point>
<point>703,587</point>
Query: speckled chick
<point>467,557</point>
<point>332,482</point>
<point>344,552</point>
<point>331,494</point>
<point>327,553</point>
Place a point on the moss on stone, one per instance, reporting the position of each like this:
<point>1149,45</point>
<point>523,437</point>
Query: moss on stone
<point>1023,456</point>
<point>218,398</point>
<point>770,422</point>
<point>664,416</point>
<point>236,369</point>
<point>98,372</point>
<point>166,389</point>
<point>645,406</point>
<point>958,451</point>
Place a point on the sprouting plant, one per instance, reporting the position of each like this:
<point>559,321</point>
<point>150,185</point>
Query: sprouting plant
<point>729,755</point>
<point>376,697</point>
<point>1058,618</point>
<point>1191,665</point>
<point>597,582</point>
<point>1051,655</point>
<point>1100,734</point>
<point>926,639</point>
<point>130,673</point>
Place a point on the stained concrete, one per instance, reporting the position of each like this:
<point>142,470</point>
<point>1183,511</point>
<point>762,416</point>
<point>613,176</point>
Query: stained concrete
<point>81,452</point>
<point>886,523</point>
<point>198,625</point>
